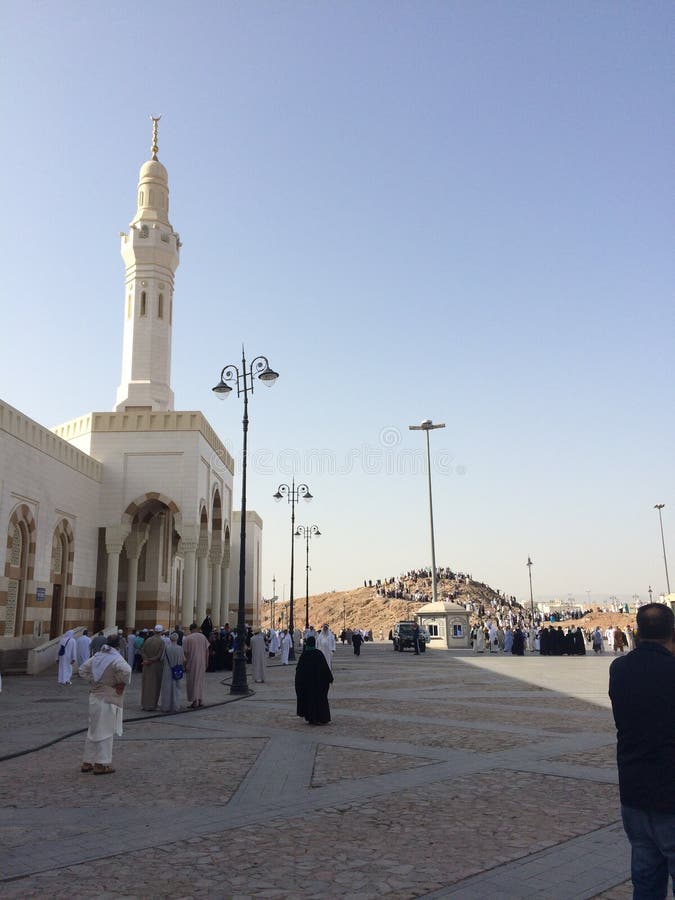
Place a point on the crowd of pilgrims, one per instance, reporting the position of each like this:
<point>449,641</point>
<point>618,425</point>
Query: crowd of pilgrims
<point>223,643</point>
<point>549,639</point>
<point>415,584</point>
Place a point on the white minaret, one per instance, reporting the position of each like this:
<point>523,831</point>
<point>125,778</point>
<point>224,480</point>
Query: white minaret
<point>151,254</point>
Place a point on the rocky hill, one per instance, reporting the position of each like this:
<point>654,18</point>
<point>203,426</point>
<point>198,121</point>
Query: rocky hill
<point>364,608</point>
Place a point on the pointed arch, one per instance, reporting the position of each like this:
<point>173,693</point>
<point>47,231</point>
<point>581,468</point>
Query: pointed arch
<point>61,574</point>
<point>133,508</point>
<point>19,567</point>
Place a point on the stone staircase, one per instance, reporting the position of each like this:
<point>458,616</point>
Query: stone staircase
<point>14,661</point>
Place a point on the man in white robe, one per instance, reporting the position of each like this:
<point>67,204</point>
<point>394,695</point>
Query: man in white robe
<point>479,640</point>
<point>325,642</point>
<point>274,642</point>
<point>309,632</point>
<point>67,658</point>
<point>285,647</point>
<point>609,638</point>
<point>82,647</point>
<point>258,656</point>
<point>108,674</point>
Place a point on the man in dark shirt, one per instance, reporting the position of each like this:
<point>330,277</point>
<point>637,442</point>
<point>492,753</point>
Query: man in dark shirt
<point>642,691</point>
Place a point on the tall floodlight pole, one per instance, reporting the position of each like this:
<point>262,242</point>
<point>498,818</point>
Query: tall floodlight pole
<point>426,426</point>
<point>660,506</point>
<point>292,494</point>
<point>308,532</point>
<point>273,600</point>
<point>243,381</point>
<point>529,572</point>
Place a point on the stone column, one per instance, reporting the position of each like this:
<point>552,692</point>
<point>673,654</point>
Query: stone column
<point>114,541</point>
<point>215,563</point>
<point>189,550</point>
<point>134,545</point>
<point>202,578</point>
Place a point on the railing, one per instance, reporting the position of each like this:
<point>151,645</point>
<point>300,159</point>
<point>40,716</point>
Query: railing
<point>44,656</point>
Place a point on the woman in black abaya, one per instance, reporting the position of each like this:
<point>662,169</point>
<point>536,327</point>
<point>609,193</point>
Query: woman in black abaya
<point>313,677</point>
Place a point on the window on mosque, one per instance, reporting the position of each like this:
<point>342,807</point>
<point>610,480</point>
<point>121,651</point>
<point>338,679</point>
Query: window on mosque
<point>160,307</point>
<point>433,630</point>
<point>143,303</point>
<point>457,631</point>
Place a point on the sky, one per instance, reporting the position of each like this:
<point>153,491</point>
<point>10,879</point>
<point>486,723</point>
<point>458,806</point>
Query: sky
<point>450,210</point>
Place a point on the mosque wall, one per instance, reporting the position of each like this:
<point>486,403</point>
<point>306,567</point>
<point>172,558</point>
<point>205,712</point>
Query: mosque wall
<point>253,561</point>
<point>48,505</point>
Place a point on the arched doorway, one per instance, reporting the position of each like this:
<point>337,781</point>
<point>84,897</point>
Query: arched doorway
<point>61,575</point>
<point>147,587</point>
<point>19,566</point>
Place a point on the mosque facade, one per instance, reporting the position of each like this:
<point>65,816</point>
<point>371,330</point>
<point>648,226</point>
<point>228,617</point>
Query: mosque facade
<point>123,518</point>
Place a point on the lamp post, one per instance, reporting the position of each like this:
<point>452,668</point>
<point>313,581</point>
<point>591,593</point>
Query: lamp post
<point>529,572</point>
<point>292,494</point>
<point>273,600</point>
<point>660,506</point>
<point>308,532</point>
<point>243,380</point>
<point>426,426</point>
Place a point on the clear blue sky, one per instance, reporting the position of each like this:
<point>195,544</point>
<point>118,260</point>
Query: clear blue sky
<point>457,210</point>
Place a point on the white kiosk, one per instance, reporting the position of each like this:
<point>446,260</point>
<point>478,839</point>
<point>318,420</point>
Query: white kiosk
<point>447,623</point>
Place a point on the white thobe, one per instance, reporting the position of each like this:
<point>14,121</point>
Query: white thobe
<point>274,642</point>
<point>66,661</point>
<point>326,644</point>
<point>285,649</point>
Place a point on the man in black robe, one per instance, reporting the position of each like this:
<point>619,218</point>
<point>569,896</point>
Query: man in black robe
<point>313,677</point>
<point>518,648</point>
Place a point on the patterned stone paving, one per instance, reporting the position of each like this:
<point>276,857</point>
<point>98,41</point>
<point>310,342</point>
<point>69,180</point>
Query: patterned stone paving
<point>332,764</point>
<point>243,799</point>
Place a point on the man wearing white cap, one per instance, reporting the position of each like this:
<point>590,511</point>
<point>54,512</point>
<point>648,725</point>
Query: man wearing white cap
<point>152,652</point>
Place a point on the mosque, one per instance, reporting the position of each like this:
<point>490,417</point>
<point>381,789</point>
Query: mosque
<point>124,518</point>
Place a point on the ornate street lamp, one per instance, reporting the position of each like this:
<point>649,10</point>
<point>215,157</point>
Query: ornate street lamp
<point>243,380</point>
<point>427,425</point>
<point>292,494</point>
<point>660,506</point>
<point>308,532</point>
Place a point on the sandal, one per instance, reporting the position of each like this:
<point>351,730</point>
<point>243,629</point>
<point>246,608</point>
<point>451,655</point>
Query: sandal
<point>103,770</point>
<point>86,767</point>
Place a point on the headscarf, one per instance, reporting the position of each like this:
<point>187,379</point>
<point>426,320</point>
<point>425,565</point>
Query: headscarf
<point>101,660</point>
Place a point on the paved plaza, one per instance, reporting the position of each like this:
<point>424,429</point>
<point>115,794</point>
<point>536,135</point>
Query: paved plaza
<point>441,775</point>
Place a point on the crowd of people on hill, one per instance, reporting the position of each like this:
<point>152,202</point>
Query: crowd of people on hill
<point>415,584</point>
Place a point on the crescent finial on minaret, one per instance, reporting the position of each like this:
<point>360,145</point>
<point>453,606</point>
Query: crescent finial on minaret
<point>154,149</point>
